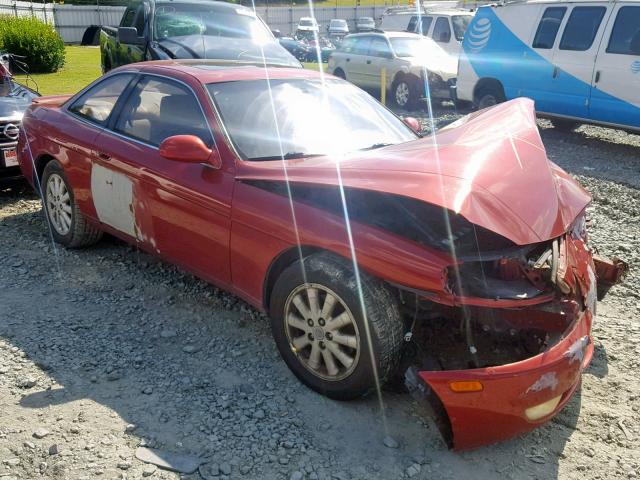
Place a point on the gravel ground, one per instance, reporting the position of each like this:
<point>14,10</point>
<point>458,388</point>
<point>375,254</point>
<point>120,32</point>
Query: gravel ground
<point>107,349</point>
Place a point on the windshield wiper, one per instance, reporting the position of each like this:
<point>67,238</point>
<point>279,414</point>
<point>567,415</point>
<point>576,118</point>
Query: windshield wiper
<point>376,145</point>
<point>287,156</point>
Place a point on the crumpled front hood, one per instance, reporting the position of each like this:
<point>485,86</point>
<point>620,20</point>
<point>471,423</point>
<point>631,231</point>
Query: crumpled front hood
<point>491,168</point>
<point>224,48</point>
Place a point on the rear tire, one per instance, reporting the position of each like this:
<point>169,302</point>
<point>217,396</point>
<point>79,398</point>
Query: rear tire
<point>339,332</point>
<point>338,72</point>
<point>68,226</point>
<point>563,125</point>
<point>489,96</point>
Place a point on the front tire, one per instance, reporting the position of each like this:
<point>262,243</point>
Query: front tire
<point>564,125</point>
<point>321,333</point>
<point>68,226</point>
<point>406,92</point>
<point>489,96</point>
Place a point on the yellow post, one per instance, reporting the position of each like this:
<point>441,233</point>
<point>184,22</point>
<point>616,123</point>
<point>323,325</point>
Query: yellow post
<point>383,86</point>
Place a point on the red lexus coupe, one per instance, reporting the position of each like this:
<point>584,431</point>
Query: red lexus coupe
<point>374,251</point>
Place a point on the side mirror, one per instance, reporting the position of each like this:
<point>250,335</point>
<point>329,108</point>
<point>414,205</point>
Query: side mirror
<point>129,36</point>
<point>413,124</point>
<point>276,33</point>
<point>189,149</point>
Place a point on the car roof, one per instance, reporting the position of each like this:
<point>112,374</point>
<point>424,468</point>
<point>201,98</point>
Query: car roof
<point>217,71</point>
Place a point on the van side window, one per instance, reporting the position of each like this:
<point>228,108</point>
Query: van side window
<point>412,24</point>
<point>581,28</point>
<point>426,24</point>
<point>548,27</point>
<point>442,31</point>
<point>625,36</point>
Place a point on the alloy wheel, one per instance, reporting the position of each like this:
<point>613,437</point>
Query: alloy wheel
<point>402,94</point>
<point>58,204</point>
<point>322,332</point>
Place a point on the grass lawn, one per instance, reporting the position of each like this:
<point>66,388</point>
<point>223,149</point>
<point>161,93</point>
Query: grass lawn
<point>82,67</point>
<point>314,66</point>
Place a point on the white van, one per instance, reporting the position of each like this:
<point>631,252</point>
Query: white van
<point>446,27</point>
<point>579,61</point>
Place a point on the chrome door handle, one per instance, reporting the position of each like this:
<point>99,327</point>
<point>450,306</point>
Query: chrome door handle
<point>555,72</point>
<point>597,76</point>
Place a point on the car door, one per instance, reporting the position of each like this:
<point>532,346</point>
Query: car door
<point>616,80</point>
<point>536,75</point>
<point>179,210</point>
<point>78,131</point>
<point>574,60</point>
<point>442,32</point>
<point>379,60</point>
<point>356,61</point>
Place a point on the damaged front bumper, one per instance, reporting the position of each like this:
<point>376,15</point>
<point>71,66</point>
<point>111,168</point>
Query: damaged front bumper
<point>477,406</point>
<point>486,405</point>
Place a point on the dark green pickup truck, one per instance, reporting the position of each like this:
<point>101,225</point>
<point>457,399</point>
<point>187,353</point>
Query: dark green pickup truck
<point>170,29</point>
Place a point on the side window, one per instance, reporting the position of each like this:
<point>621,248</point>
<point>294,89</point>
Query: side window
<point>625,36</point>
<point>581,28</point>
<point>140,21</point>
<point>161,108</point>
<point>97,103</point>
<point>380,48</point>
<point>362,46</point>
<point>426,25</point>
<point>412,24</point>
<point>128,17</point>
<point>442,30</point>
<point>347,45</point>
<point>548,27</point>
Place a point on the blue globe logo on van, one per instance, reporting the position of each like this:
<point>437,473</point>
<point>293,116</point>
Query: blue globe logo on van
<point>479,35</point>
<point>635,66</point>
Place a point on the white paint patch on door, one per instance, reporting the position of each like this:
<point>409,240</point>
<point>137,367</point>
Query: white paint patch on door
<point>113,199</point>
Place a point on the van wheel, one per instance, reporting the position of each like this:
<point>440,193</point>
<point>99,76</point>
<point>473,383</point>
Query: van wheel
<point>321,333</point>
<point>338,72</point>
<point>489,96</point>
<point>68,226</point>
<point>406,92</point>
<point>564,125</point>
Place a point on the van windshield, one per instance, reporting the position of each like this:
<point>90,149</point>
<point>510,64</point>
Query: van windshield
<point>460,24</point>
<point>181,19</point>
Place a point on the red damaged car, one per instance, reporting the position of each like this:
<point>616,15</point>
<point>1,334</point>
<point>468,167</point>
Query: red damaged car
<point>460,261</point>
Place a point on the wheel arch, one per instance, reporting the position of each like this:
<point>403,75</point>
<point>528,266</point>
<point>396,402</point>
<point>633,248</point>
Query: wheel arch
<point>279,264</point>
<point>40,163</point>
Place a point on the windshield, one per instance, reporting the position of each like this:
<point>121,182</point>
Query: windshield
<point>338,23</point>
<point>416,47</point>
<point>365,20</point>
<point>311,118</point>
<point>460,24</point>
<point>306,22</point>
<point>180,19</point>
